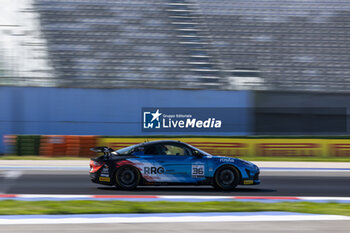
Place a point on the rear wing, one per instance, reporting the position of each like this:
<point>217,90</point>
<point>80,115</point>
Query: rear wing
<point>104,149</point>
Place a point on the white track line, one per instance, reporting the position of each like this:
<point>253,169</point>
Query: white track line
<point>13,174</point>
<point>193,197</point>
<point>325,198</point>
<point>63,196</point>
<point>171,219</point>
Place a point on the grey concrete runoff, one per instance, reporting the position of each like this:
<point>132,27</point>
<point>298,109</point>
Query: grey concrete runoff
<point>265,227</point>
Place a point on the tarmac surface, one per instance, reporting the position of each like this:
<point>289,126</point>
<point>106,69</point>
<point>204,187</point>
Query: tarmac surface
<point>277,179</point>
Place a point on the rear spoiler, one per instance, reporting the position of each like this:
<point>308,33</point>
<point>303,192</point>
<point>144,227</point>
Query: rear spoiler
<point>106,150</point>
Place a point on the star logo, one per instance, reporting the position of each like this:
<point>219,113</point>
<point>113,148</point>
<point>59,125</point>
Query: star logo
<point>151,120</point>
<point>156,115</point>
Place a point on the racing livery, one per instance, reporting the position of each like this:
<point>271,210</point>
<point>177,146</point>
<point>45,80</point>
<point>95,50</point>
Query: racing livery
<point>168,162</point>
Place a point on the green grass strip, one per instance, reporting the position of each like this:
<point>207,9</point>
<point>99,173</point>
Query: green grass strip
<point>13,207</point>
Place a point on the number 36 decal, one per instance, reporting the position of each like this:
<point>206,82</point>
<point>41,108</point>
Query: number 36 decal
<point>197,170</point>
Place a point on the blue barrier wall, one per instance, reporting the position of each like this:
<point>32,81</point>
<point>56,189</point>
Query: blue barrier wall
<point>35,110</point>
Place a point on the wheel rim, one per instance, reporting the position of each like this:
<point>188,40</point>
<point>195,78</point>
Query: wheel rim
<point>227,177</point>
<point>127,177</point>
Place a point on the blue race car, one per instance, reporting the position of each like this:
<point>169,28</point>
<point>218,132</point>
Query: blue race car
<point>169,162</point>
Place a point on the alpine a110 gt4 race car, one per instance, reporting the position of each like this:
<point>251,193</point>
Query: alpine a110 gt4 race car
<point>169,162</point>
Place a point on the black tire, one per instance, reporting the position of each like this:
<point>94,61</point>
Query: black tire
<point>226,178</point>
<point>127,177</point>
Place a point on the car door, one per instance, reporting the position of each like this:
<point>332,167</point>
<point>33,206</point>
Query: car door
<point>180,165</point>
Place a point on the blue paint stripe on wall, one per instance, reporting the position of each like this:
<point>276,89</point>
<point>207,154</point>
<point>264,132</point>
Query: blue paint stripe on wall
<point>35,110</point>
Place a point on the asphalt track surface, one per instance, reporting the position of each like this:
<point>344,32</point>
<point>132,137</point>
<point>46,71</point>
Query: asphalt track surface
<point>273,183</point>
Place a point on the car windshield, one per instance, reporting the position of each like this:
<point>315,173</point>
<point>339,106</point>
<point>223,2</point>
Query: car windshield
<point>126,150</point>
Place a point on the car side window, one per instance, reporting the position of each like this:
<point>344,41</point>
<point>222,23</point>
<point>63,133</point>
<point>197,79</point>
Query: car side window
<point>150,150</point>
<point>155,150</point>
<point>177,150</point>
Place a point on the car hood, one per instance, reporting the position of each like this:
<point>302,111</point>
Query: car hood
<point>224,159</point>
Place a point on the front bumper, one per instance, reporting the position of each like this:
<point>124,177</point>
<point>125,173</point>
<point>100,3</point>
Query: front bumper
<point>252,177</point>
<point>250,182</point>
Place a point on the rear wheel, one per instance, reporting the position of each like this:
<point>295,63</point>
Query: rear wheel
<point>227,178</point>
<point>127,177</point>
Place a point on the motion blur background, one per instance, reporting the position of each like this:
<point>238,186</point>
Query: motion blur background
<point>87,67</point>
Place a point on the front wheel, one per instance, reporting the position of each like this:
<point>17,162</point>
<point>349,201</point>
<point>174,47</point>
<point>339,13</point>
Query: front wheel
<point>127,177</point>
<point>227,178</point>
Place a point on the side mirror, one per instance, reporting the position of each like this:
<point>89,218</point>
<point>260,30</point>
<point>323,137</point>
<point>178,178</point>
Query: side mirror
<point>197,154</point>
